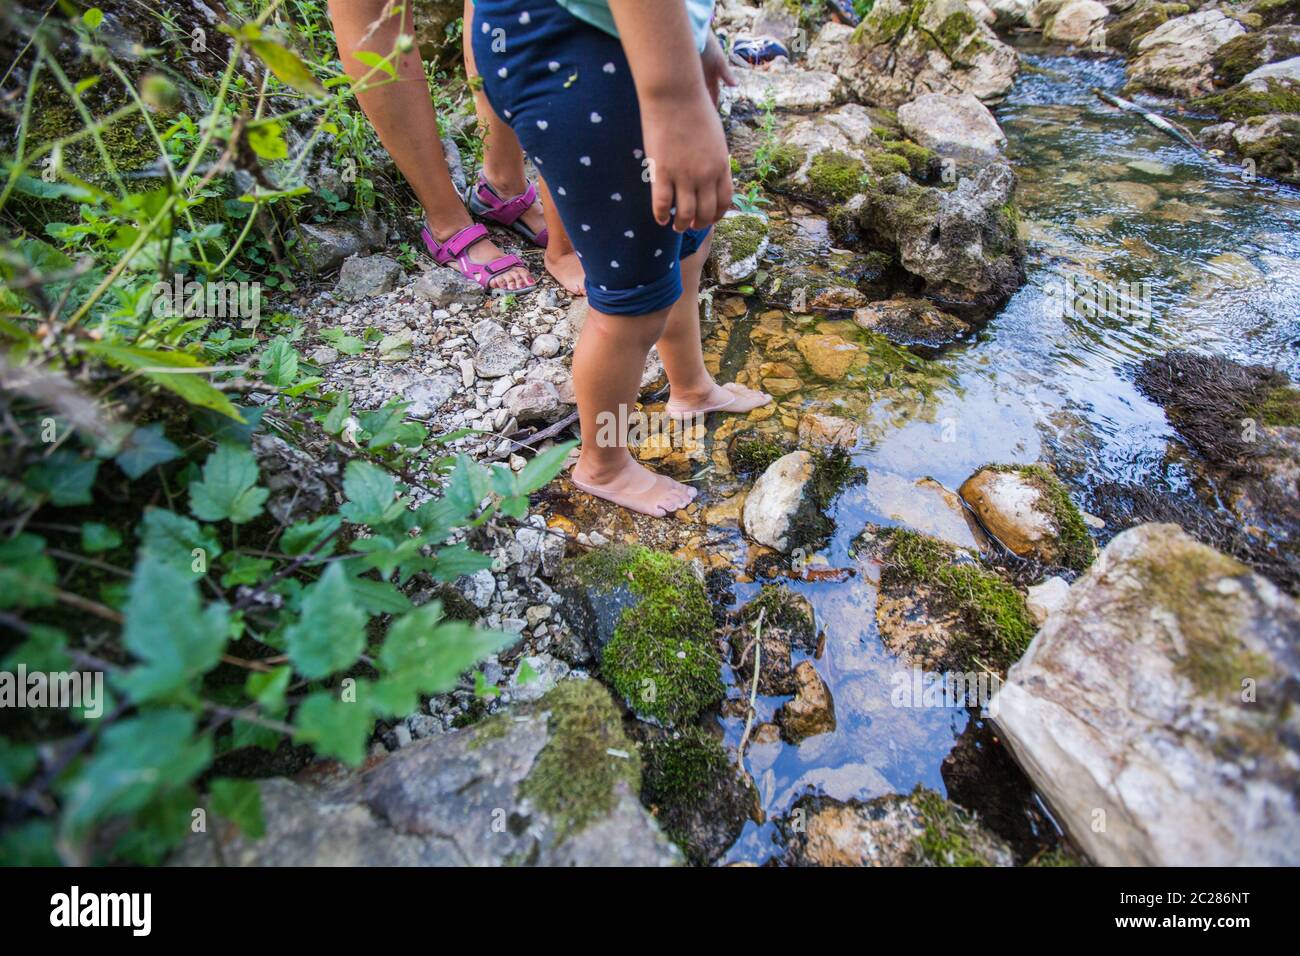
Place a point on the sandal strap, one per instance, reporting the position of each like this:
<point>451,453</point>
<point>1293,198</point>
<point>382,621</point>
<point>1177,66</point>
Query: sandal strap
<point>502,264</point>
<point>458,244</point>
<point>506,211</point>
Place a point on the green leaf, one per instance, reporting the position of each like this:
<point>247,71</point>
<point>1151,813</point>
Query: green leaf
<point>538,472</point>
<point>379,597</point>
<point>457,559</point>
<point>425,655</point>
<point>17,761</point>
<point>145,448</point>
<point>27,573</point>
<point>136,759</point>
<point>375,61</point>
<point>268,688</point>
<point>306,536</point>
<point>97,537</point>
<point>245,569</point>
<point>279,363</point>
<point>267,140</point>
<point>46,649</point>
<point>287,66</point>
<point>174,538</point>
<point>178,372</point>
<point>339,414</point>
<point>468,485</point>
<point>93,18</point>
<point>372,495</point>
<point>334,727</point>
<point>229,488</point>
<point>29,844</point>
<point>175,638</point>
<point>331,629</point>
<point>65,477</point>
<point>240,802</point>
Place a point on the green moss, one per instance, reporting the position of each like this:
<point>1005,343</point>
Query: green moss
<point>834,176</point>
<point>1074,544</point>
<point>741,235</point>
<point>1244,53</point>
<point>1279,407</point>
<point>751,454</point>
<point>127,142</point>
<point>576,779</point>
<point>919,159</point>
<point>1057,856</point>
<point>884,163</point>
<point>661,659</point>
<point>944,840</point>
<point>686,776</point>
<point>492,728</point>
<point>784,159</point>
<point>957,28</point>
<point>1243,102</point>
<point>784,610</point>
<point>994,611</point>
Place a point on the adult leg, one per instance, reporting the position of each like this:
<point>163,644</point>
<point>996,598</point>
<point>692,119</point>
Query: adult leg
<point>402,113</point>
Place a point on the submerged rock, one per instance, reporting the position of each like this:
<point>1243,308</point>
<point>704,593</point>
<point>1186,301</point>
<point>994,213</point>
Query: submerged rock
<point>1028,510</point>
<point>908,47</point>
<point>552,783</point>
<point>925,506</point>
<point>739,242</point>
<point>921,829</point>
<point>917,322</point>
<point>1158,711</point>
<point>812,711</point>
<point>786,508</point>
<point>955,127</point>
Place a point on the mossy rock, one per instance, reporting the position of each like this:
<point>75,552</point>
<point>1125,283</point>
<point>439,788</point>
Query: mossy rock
<point>1073,547</point>
<point>885,163</point>
<point>920,160</point>
<point>696,793</point>
<point>834,176</point>
<point>783,610</point>
<point>785,158</point>
<point>649,617</point>
<point>751,453</point>
<point>1245,53</point>
<point>1242,102</point>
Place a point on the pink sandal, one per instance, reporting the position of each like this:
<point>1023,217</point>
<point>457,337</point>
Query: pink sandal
<point>455,253</point>
<point>486,203</point>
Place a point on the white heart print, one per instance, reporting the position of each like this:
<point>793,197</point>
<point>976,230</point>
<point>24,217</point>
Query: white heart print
<point>609,67</point>
<point>595,117</point>
<point>524,18</point>
<point>542,124</point>
<point>617,197</point>
<point>585,160</point>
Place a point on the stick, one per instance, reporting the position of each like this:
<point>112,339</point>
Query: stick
<point>1177,131</point>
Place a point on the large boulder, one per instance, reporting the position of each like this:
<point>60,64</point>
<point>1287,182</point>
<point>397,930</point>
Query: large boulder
<point>1076,22</point>
<point>1139,20</point>
<point>908,47</point>
<point>1158,711</point>
<point>963,242</point>
<point>1272,142</point>
<point>955,127</point>
<point>1177,56</point>
<point>552,783</point>
<point>1241,56</point>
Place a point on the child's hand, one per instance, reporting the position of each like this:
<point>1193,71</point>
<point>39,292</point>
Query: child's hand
<point>717,71</point>
<point>691,168</point>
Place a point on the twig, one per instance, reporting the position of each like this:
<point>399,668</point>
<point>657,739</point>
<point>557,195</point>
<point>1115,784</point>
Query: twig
<point>1175,130</point>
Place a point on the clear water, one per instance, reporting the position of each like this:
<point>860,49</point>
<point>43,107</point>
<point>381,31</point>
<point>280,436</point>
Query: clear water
<point>1221,259</point>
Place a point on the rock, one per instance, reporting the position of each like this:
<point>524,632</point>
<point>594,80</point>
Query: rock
<point>739,242</point>
<point>956,127</point>
<point>395,347</point>
<point>1046,598</point>
<point>1011,13</point>
<point>326,245</point>
<point>546,345</point>
<point>818,431</point>
<point>696,793</point>
<point>431,19</point>
<point>1176,57</point>
<point>1287,71</point>
<point>1133,196</point>
<point>532,401</point>
<point>647,617</point>
<point>535,676</point>
<point>295,479</point>
<point>442,286</point>
<point>1244,56</point>
<point>478,588</point>
<point>429,394</point>
<point>1075,22</point>
<point>363,277</point>
<point>498,353</point>
<point>1158,711</point>
<point>925,506</point>
<point>921,829</point>
<point>1273,143</point>
<point>775,672</point>
<point>1028,510</point>
<point>324,355</point>
<point>562,768</point>
<point>812,711</point>
<point>963,242</point>
<point>788,89</point>
<point>912,322</point>
<point>777,499</point>
<point>829,356</point>
<point>910,47</point>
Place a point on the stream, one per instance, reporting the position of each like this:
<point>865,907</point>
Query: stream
<point>1213,260</point>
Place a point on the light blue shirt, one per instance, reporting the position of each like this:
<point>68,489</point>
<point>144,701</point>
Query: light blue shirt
<point>596,12</point>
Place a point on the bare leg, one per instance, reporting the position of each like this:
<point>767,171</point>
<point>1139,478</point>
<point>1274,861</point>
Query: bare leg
<point>607,365</point>
<point>402,113</point>
<point>692,389</point>
<point>503,167</point>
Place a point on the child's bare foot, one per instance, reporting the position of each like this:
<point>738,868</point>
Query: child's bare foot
<point>720,398</point>
<point>634,487</point>
<point>566,268</point>
<point>484,252</point>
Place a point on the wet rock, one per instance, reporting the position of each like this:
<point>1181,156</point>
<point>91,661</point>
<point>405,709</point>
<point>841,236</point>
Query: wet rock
<point>648,618</point>
<point>777,498</point>
<point>532,401</point>
<point>739,242</point>
<point>1046,598</point>
<point>921,829</point>
<point>819,431</point>
<point>325,245</point>
<point>1246,55</point>
<point>363,277</point>
<point>1272,142</point>
<point>1161,703</point>
<point>912,322</point>
<point>1075,22</point>
<point>829,356</point>
<point>442,286</point>
<point>956,127</point>
<point>909,47</point>
<point>562,767</point>
<point>775,669</point>
<point>812,711</point>
<point>1176,57</point>
<point>924,506</point>
<point>697,796</point>
<point>1138,197</point>
<point>963,242</point>
<point>1028,510</point>
<point>785,612</point>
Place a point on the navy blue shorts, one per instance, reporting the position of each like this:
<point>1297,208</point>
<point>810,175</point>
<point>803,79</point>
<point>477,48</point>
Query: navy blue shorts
<point>565,88</point>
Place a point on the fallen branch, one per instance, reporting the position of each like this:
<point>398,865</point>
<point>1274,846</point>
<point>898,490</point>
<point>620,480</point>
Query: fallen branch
<point>1176,130</point>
